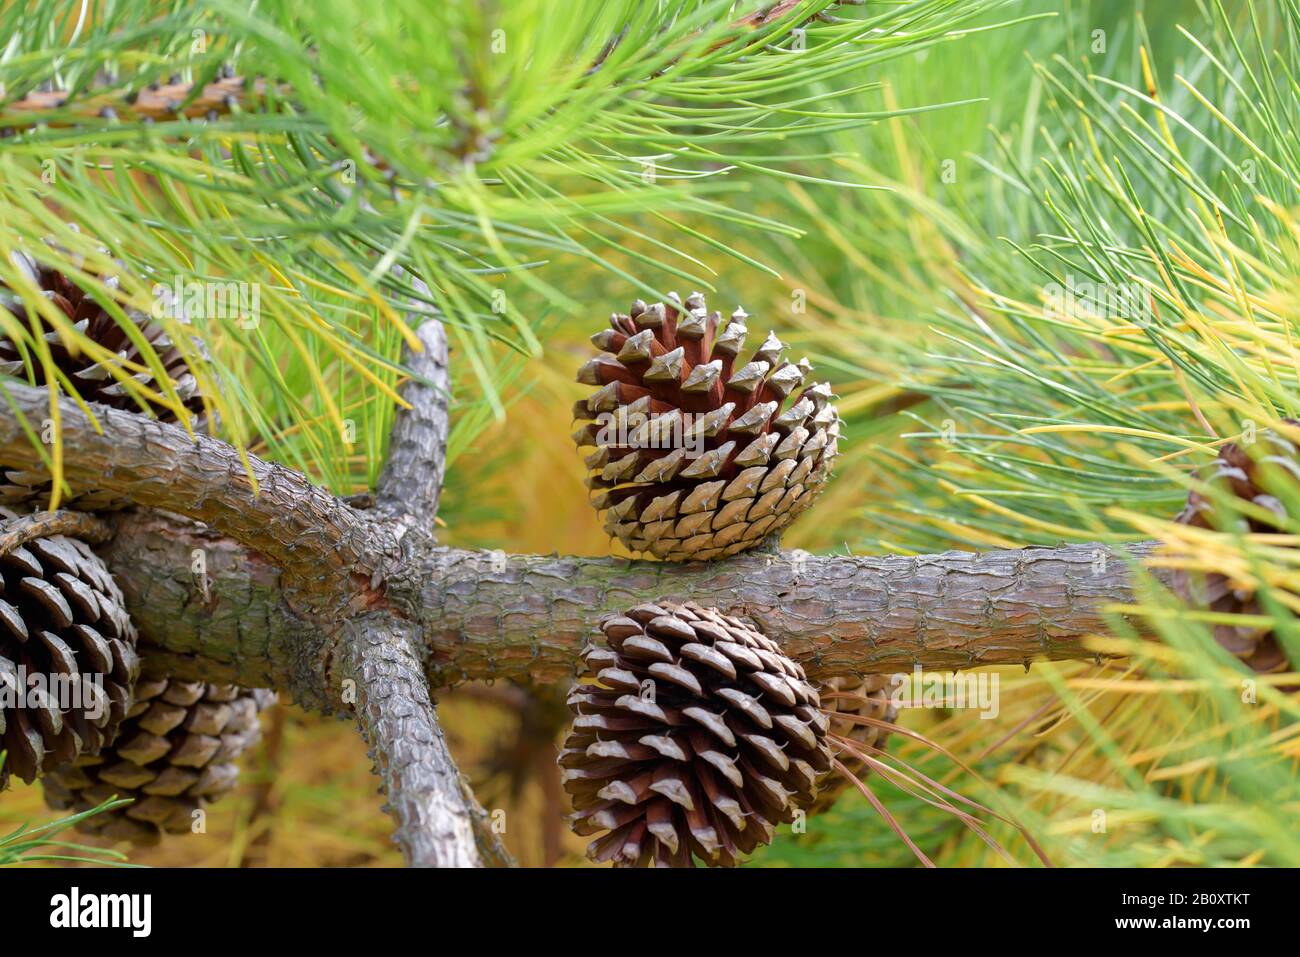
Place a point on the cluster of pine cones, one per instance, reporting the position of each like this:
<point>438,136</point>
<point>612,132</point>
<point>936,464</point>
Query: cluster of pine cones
<point>170,746</point>
<point>694,736</point>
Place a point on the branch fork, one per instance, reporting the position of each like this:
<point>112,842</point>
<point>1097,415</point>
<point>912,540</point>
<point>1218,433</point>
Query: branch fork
<point>439,822</point>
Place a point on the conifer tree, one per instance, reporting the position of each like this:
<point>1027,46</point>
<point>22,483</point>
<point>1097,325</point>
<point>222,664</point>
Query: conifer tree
<point>274,276</point>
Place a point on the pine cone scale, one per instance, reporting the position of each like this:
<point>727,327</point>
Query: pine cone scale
<point>847,698</point>
<point>1242,473</point>
<point>86,373</point>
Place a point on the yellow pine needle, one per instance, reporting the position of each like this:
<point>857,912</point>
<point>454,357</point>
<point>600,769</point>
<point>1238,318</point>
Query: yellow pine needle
<point>373,296</point>
<point>342,349</point>
<point>1116,430</point>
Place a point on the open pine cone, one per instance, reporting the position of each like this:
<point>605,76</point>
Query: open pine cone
<point>694,737</point>
<point>871,700</point>
<point>176,754</point>
<point>695,457</point>
<point>1247,474</point>
<point>91,379</point>
<point>61,620</point>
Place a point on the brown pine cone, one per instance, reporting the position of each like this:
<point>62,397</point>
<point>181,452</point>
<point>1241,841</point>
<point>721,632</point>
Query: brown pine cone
<point>176,754</point>
<point>695,458</point>
<point>1250,473</point>
<point>872,700</point>
<point>694,737</point>
<point>90,378</point>
<point>61,619</point>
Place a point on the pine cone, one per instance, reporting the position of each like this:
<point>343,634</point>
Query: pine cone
<point>91,379</point>
<point>1273,463</point>
<point>695,458</point>
<point>62,619</point>
<point>878,704</point>
<point>176,754</point>
<point>695,737</point>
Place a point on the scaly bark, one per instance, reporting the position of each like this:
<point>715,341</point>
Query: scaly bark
<point>28,528</point>
<point>411,482</point>
<point>530,616</point>
<point>323,547</point>
<point>439,822</point>
<point>480,617</point>
<point>527,617</point>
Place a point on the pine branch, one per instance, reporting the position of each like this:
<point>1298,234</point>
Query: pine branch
<point>320,544</point>
<point>530,617</point>
<point>163,102</point>
<point>262,169</point>
<point>310,596</point>
<point>485,614</point>
<point>411,483</point>
<point>1141,316</point>
<point>156,103</point>
<point>439,823</point>
<point>26,528</point>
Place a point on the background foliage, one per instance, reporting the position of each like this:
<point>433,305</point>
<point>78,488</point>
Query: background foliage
<point>1009,149</point>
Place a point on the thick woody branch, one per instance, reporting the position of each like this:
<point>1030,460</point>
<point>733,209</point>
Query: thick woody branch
<point>318,542</point>
<point>529,616</point>
<point>299,592</point>
<point>439,823</point>
<point>326,561</point>
<point>835,614</point>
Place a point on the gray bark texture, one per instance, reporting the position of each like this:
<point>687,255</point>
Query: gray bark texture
<point>411,482</point>
<point>529,616</point>
<point>361,611</point>
<point>439,822</point>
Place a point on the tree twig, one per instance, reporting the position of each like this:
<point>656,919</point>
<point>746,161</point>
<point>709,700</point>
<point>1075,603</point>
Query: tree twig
<point>226,93</point>
<point>411,482</point>
<point>439,822</point>
<point>19,531</point>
